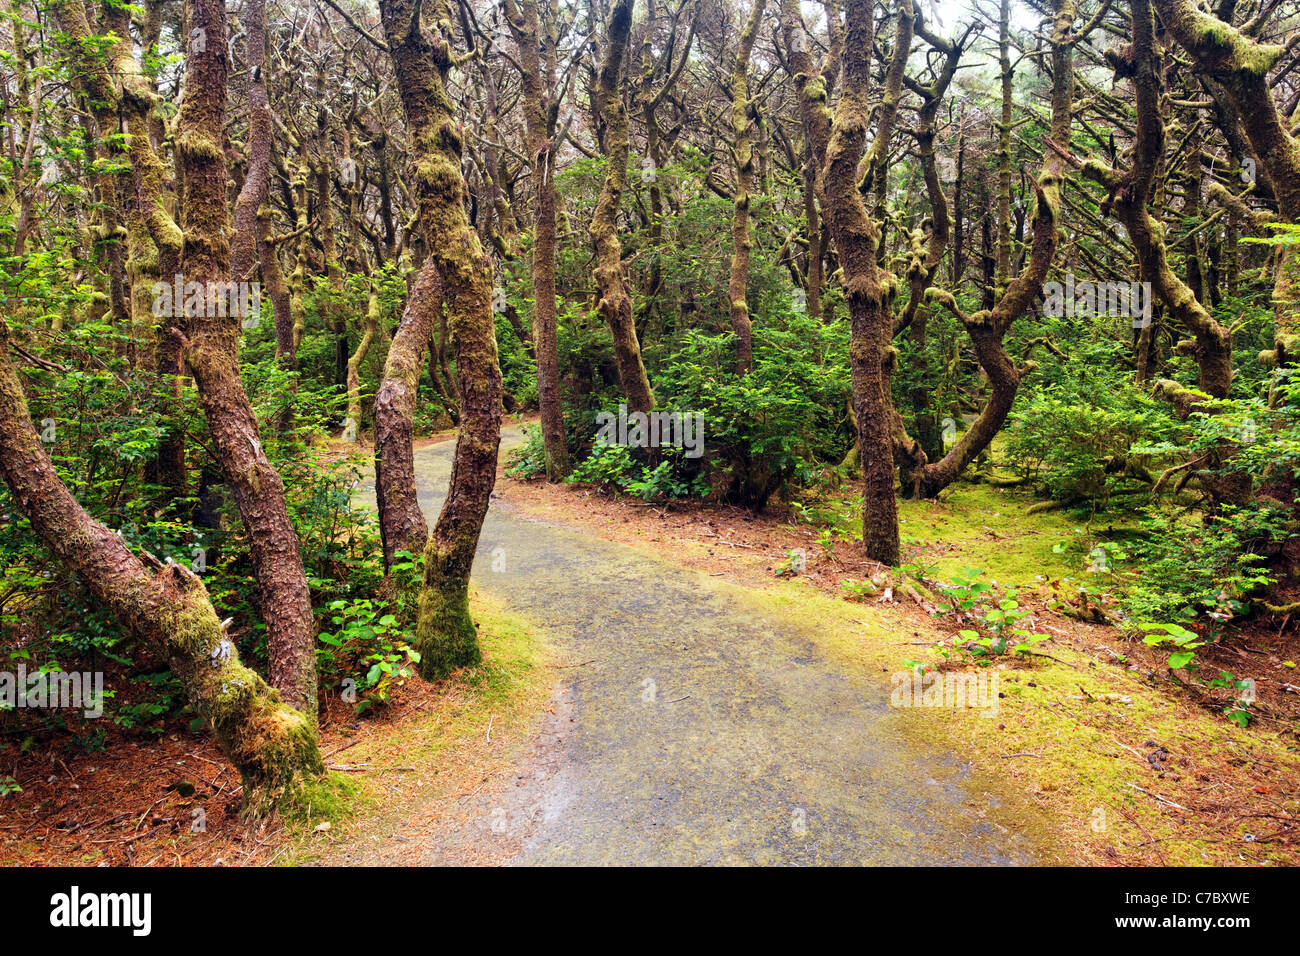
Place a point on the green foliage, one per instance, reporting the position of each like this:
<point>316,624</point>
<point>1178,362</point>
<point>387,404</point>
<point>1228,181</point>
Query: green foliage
<point>1189,568</point>
<point>1179,637</point>
<point>1085,433</point>
<point>366,647</point>
<point>996,622</point>
<point>529,459</point>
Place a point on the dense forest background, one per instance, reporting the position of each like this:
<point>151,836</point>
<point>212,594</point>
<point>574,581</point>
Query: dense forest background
<point>250,252</point>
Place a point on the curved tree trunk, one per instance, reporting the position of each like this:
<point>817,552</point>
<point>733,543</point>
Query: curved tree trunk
<point>445,634</point>
<point>1241,65</point>
<point>212,351</point>
<point>401,522</point>
<point>988,328</point>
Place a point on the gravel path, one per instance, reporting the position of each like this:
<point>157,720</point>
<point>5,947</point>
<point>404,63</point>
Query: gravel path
<point>691,728</point>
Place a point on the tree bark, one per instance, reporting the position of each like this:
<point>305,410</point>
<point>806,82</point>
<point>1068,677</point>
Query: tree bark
<point>401,522</point>
<point>212,352</point>
<point>987,328</point>
<point>741,108</point>
<point>540,117</point>
<point>445,634</point>
<point>838,143</point>
<point>615,305</point>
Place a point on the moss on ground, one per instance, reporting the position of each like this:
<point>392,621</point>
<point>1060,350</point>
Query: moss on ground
<point>1073,738</point>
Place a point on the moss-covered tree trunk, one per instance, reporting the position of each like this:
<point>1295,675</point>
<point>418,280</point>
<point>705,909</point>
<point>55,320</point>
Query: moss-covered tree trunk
<point>121,98</point>
<point>445,633</point>
<point>541,113</point>
<point>212,352</point>
<point>369,331</point>
<point>1241,65</point>
<point>1132,190</point>
<point>1006,77</point>
<point>743,153</point>
<point>837,141</point>
<point>272,745</point>
<point>615,305</point>
<point>928,246</point>
<point>988,328</point>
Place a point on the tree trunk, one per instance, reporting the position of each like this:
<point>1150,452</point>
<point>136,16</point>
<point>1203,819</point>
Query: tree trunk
<point>540,116</point>
<point>838,145</point>
<point>445,634</point>
<point>615,304</point>
<point>352,423</point>
<point>988,327</point>
<point>212,351</point>
<point>1004,146</point>
<point>744,160</point>
<point>401,522</point>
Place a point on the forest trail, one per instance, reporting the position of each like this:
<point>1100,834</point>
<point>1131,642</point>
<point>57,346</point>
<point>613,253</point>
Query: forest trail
<point>689,727</point>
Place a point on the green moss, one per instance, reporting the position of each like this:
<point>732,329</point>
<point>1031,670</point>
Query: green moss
<point>1073,717</point>
<point>445,634</point>
<point>507,691</point>
<point>331,798</point>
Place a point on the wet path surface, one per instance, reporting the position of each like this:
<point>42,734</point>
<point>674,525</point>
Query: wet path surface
<point>691,728</point>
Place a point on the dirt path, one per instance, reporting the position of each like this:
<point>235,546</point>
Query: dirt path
<point>692,728</point>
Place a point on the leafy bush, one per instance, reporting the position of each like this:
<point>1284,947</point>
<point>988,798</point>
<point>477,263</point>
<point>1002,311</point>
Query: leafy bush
<point>529,459</point>
<point>367,651</point>
<point>1088,435</point>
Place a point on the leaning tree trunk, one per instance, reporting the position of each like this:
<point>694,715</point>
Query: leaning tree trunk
<point>212,352</point>
<point>1132,192</point>
<point>445,634</point>
<point>352,422</point>
<point>1212,343</point>
<point>401,522</point>
<point>926,255</point>
<point>1241,65</point>
<point>988,328</point>
<point>272,745</point>
<point>615,304</point>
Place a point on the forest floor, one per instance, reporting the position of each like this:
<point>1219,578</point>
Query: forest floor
<point>662,689</point>
<point>173,799</point>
